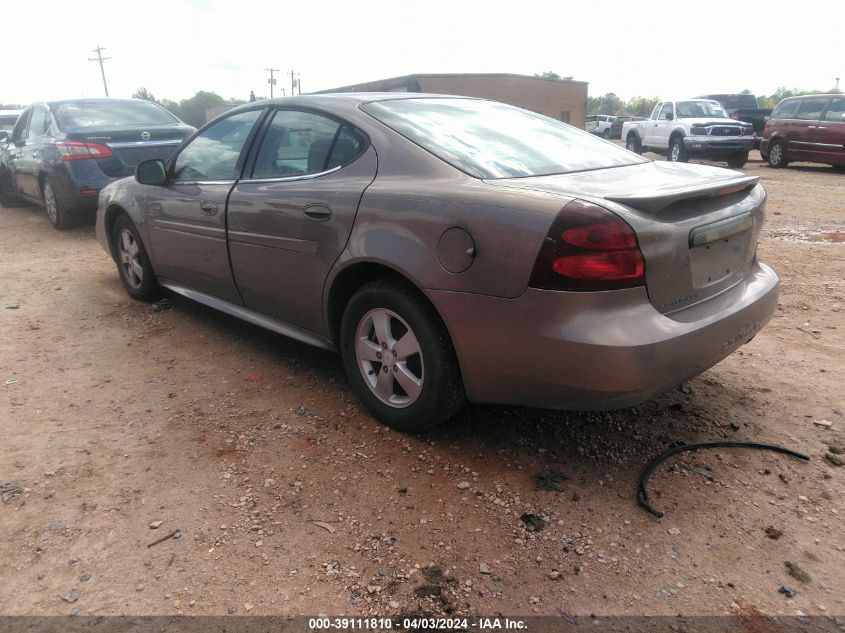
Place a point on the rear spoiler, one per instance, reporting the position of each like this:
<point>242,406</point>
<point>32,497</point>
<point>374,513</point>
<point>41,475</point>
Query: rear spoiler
<point>661,199</point>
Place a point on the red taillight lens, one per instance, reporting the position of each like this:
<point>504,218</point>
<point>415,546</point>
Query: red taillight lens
<point>77,150</point>
<point>588,248</point>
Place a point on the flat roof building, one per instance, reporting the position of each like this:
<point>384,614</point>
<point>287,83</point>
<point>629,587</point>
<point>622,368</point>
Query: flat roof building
<point>561,99</point>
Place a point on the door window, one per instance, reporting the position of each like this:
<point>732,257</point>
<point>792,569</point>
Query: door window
<point>667,109</point>
<point>39,121</point>
<point>835,110</point>
<point>21,128</point>
<point>811,108</point>
<point>655,111</point>
<point>214,154</point>
<point>786,109</point>
<point>302,143</point>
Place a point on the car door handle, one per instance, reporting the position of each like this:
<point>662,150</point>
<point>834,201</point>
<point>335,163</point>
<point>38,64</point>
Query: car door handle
<point>208,207</point>
<point>317,212</point>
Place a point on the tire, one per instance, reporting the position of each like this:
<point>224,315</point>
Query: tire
<point>133,264</point>
<point>738,160</point>
<point>632,144</point>
<point>606,134</point>
<point>7,197</point>
<point>777,155</point>
<point>57,212</point>
<point>677,151</point>
<point>408,393</point>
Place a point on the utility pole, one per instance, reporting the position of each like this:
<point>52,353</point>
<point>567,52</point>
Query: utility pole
<point>272,80</point>
<point>294,83</point>
<point>837,84</point>
<point>99,58</point>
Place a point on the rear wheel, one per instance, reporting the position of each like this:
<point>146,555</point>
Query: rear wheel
<point>632,144</point>
<point>606,133</point>
<point>57,211</point>
<point>133,264</point>
<point>677,151</point>
<point>738,160</point>
<point>777,155</point>
<point>399,358</point>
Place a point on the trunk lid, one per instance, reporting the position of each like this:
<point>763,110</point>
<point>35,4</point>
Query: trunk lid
<point>131,145</point>
<point>697,225</point>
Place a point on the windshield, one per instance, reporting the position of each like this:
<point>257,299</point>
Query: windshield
<point>698,109</point>
<point>492,140</point>
<point>112,114</point>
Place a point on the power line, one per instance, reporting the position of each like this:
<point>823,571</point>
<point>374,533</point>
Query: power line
<point>272,80</point>
<point>99,58</point>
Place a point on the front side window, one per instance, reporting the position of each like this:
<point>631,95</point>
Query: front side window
<point>786,109</point>
<point>835,110</point>
<point>486,139</point>
<point>214,154</point>
<point>811,108</point>
<point>655,111</point>
<point>667,110</point>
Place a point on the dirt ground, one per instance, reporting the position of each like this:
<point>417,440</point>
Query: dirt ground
<point>289,500</point>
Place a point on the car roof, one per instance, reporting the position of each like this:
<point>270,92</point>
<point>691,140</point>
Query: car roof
<point>827,94</point>
<point>96,100</point>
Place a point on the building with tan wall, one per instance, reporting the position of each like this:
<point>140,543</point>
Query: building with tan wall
<point>561,99</point>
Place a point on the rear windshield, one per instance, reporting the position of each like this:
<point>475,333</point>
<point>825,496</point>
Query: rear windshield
<point>112,114</point>
<point>492,140</point>
<point>696,109</point>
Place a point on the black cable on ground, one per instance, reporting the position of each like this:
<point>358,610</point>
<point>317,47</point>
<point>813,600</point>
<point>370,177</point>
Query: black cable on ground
<point>642,496</point>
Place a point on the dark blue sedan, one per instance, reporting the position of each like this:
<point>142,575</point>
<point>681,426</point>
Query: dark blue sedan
<point>61,154</point>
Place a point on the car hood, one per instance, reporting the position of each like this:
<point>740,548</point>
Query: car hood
<point>708,121</point>
<point>649,186</point>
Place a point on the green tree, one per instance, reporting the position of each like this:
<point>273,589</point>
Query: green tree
<point>552,75</point>
<point>640,106</point>
<point>143,93</point>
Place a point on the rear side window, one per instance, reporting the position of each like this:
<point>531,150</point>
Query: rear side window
<point>83,114</point>
<point>39,121</point>
<point>811,108</point>
<point>302,143</point>
<point>835,110</point>
<point>786,109</point>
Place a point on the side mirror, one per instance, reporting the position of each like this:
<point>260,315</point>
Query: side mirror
<point>151,172</point>
<point>4,136</point>
<point>669,116</point>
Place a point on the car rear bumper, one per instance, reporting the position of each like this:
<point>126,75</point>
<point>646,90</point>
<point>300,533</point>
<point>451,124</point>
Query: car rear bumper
<point>597,350</point>
<point>78,184</point>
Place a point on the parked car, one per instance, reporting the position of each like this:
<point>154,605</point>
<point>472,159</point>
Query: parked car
<point>7,119</point>
<point>744,107</point>
<point>616,126</point>
<point>809,128</point>
<point>60,154</point>
<point>691,128</point>
<point>599,124</point>
<point>451,248</point>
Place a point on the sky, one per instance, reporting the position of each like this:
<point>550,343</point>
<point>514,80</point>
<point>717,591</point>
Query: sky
<point>677,48</point>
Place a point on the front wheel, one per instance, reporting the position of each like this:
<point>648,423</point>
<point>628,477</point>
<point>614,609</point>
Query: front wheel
<point>399,358</point>
<point>632,144</point>
<point>777,155</point>
<point>738,160</point>
<point>677,151</point>
<point>133,264</point>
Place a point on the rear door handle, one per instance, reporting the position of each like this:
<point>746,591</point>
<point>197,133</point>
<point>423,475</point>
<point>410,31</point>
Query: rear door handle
<point>208,207</point>
<point>317,212</point>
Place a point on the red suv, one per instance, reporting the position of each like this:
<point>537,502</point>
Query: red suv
<point>809,128</point>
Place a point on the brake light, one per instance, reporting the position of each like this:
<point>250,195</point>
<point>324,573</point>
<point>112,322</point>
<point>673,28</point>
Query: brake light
<point>77,150</point>
<point>588,248</point>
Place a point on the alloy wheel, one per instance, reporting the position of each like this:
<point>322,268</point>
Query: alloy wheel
<point>50,203</point>
<point>390,358</point>
<point>129,255</point>
<point>775,154</point>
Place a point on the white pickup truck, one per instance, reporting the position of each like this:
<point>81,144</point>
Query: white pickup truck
<point>691,128</point>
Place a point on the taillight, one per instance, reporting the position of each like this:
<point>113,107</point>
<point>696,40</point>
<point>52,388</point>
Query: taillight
<point>77,150</point>
<point>588,248</point>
